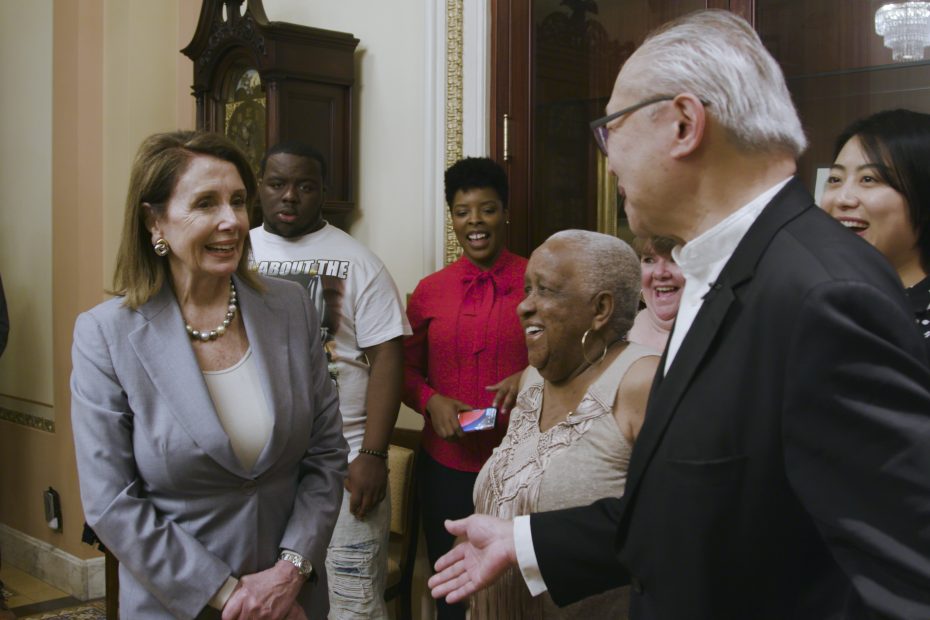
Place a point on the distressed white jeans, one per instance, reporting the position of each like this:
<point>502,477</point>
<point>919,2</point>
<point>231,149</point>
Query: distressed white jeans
<point>356,563</point>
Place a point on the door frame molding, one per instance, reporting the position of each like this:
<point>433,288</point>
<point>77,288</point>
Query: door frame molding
<point>458,54</point>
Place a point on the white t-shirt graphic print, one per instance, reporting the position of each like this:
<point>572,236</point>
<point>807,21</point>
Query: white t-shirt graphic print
<point>356,298</point>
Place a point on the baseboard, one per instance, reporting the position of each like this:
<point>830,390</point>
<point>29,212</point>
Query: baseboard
<point>82,579</point>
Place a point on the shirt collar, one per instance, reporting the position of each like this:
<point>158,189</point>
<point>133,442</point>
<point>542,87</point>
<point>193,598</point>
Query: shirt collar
<point>714,246</point>
<point>471,270</point>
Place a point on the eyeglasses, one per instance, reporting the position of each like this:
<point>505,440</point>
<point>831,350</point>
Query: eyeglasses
<point>599,127</point>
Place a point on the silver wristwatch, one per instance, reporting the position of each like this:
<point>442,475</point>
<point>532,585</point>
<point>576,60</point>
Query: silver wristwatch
<point>303,564</point>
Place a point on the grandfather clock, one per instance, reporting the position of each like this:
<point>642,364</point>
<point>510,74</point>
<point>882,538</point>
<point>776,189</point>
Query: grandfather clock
<point>262,82</point>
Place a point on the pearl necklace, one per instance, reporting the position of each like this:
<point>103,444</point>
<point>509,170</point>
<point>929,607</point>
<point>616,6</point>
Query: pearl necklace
<point>220,329</point>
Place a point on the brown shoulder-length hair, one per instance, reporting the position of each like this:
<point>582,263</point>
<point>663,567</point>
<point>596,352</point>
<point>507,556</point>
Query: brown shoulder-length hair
<point>161,160</point>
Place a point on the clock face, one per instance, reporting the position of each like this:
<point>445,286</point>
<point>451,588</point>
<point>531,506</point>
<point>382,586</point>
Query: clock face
<point>245,116</point>
<point>246,127</point>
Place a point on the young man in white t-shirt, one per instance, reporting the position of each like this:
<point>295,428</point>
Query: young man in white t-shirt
<point>363,323</point>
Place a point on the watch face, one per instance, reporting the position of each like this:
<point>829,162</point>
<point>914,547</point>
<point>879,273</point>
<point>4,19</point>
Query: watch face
<point>303,564</point>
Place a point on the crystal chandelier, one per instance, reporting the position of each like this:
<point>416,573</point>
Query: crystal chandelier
<point>906,29</point>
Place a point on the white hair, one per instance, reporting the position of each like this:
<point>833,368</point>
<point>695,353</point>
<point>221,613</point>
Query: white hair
<point>717,56</point>
<point>606,263</point>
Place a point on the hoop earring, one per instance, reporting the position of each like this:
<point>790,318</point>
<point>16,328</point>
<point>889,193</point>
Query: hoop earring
<point>161,247</point>
<point>584,353</point>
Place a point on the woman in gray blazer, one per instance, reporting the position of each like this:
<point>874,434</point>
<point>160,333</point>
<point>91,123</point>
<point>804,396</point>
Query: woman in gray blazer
<point>208,436</point>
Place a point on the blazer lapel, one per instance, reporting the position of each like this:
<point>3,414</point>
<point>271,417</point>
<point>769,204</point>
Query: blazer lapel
<point>164,349</point>
<point>267,328</point>
<point>668,390</point>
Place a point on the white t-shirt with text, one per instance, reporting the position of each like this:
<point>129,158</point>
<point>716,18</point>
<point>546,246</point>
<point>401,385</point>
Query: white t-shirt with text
<point>357,301</point>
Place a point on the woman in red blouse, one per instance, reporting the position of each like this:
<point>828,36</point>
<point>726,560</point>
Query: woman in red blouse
<point>467,350</point>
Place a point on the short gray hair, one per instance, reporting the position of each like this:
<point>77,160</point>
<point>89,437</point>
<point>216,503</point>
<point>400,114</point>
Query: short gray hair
<point>717,56</point>
<point>606,263</point>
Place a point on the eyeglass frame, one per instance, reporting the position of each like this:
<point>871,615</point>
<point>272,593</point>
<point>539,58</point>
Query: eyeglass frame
<point>599,127</point>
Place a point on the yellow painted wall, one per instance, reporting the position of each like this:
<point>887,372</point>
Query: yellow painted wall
<point>107,73</point>
<point>26,204</point>
<point>139,98</point>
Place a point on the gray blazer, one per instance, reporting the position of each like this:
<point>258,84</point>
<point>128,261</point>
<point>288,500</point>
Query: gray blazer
<point>160,483</point>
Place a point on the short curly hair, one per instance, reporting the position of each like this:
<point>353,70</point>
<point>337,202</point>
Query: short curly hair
<point>476,173</point>
<point>606,263</point>
<point>299,149</point>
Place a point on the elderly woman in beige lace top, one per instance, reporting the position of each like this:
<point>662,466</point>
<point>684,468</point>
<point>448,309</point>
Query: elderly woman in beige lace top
<point>580,406</point>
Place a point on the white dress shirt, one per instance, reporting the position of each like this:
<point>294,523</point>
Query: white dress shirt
<point>701,260</point>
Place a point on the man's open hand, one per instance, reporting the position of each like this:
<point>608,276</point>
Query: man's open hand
<point>487,550</point>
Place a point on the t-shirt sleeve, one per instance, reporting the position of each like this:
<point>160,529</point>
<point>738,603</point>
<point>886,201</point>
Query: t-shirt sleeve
<point>417,390</point>
<point>379,313</point>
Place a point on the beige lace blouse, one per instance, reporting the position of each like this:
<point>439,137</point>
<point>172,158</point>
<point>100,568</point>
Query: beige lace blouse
<point>579,460</point>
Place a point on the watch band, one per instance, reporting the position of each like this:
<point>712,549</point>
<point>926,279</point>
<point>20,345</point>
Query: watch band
<point>303,565</point>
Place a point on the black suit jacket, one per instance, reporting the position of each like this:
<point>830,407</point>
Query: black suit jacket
<point>783,469</point>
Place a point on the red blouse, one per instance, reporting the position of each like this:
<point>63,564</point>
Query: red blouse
<point>466,336</point>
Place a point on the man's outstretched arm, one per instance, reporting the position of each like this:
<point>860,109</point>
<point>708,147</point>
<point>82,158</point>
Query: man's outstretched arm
<point>574,549</point>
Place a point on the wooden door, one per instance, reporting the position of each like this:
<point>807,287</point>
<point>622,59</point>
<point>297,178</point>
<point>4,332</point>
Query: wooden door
<point>554,63</point>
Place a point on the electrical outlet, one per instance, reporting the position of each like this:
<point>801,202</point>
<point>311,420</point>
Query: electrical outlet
<point>52,509</point>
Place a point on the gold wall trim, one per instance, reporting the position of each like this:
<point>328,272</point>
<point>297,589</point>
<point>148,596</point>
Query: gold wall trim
<point>454,33</point>
<point>25,419</point>
<point>606,198</point>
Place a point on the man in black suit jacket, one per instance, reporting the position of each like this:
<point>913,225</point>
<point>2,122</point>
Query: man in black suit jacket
<point>783,470</point>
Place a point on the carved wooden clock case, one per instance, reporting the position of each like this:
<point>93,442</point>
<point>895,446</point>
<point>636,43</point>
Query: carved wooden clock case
<point>262,82</point>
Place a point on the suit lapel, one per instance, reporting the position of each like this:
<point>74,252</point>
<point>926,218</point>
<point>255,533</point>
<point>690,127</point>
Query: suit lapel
<point>267,328</point>
<point>668,390</point>
<point>164,349</point>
